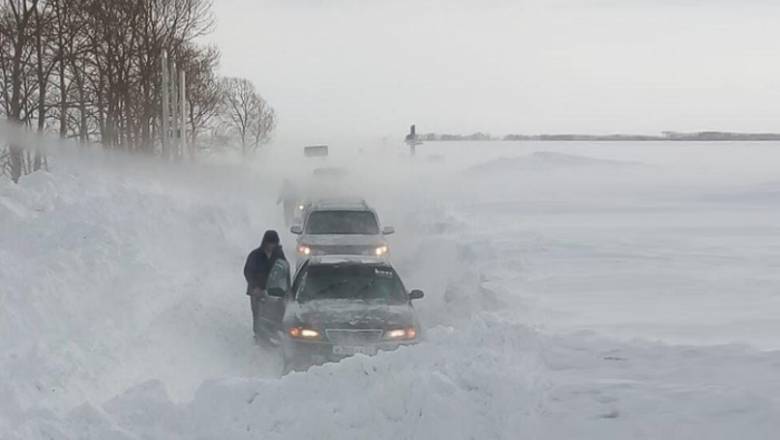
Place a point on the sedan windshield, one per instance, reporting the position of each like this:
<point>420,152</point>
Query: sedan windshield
<point>342,222</point>
<point>353,281</point>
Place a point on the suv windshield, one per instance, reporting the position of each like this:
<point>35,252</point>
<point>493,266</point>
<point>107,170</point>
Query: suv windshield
<point>342,222</point>
<point>351,281</point>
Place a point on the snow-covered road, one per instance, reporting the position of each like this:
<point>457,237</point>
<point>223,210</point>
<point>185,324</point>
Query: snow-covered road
<point>572,291</point>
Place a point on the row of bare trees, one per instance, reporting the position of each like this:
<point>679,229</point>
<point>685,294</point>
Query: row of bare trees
<point>90,70</point>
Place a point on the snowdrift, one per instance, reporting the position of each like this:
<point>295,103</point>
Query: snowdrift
<point>123,314</point>
<point>495,380</point>
<point>108,281</point>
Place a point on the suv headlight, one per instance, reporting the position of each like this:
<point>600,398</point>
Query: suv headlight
<point>381,251</point>
<point>304,250</point>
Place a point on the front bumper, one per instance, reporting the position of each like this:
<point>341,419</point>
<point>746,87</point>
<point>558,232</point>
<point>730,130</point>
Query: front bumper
<point>301,354</point>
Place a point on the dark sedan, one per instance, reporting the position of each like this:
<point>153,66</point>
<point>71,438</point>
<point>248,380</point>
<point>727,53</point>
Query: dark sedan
<point>338,307</point>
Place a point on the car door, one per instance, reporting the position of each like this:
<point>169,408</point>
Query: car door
<point>276,290</point>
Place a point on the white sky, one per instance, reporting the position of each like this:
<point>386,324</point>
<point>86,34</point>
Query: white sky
<point>334,68</point>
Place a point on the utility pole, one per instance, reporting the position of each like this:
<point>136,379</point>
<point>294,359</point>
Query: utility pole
<point>165,103</point>
<point>183,113</point>
<point>412,140</point>
<point>173,124</point>
<point>174,112</point>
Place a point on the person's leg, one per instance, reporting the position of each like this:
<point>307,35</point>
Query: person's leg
<point>255,304</point>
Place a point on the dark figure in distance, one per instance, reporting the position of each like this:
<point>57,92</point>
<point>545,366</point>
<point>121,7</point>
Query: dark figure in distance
<point>288,197</point>
<point>256,270</point>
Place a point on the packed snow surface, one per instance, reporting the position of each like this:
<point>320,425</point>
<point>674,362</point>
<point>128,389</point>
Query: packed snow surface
<point>572,290</point>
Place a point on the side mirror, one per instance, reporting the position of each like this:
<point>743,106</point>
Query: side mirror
<point>416,294</point>
<point>277,292</point>
<point>297,230</point>
<point>387,230</point>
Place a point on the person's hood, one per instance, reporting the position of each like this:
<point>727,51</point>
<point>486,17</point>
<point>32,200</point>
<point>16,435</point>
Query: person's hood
<point>270,236</point>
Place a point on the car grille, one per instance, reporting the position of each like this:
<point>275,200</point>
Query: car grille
<point>341,250</point>
<point>353,337</point>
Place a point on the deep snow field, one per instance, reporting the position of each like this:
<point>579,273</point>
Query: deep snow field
<point>573,291</point>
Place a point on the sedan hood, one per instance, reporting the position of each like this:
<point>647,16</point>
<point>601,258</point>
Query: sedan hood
<point>347,314</point>
<point>342,240</point>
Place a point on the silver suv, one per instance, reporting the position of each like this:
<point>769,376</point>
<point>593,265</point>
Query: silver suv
<point>341,227</point>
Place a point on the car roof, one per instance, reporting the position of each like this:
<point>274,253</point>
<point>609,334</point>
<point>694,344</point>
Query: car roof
<point>340,204</point>
<point>328,260</point>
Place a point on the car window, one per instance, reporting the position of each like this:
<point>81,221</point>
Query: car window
<point>279,276</point>
<point>342,222</point>
<point>351,281</point>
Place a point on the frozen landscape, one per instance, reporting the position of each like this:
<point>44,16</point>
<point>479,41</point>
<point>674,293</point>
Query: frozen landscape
<point>573,290</point>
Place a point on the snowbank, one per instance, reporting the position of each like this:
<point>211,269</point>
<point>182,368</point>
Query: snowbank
<point>122,313</point>
<point>108,281</point>
<point>492,379</point>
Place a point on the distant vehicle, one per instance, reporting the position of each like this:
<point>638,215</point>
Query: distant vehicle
<point>300,212</point>
<point>330,172</point>
<point>315,151</point>
<point>340,227</point>
<point>289,198</point>
<point>323,183</point>
<point>339,306</point>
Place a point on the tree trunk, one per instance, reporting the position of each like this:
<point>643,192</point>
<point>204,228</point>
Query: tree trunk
<point>15,106</point>
<point>43,81</point>
<point>16,159</point>
<point>63,100</point>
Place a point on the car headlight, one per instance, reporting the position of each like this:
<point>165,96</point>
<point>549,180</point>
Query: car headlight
<point>303,333</point>
<point>401,334</point>
<point>381,251</point>
<point>301,207</point>
<point>304,250</point>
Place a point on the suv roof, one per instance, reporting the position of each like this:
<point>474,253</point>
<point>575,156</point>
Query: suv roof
<point>345,204</point>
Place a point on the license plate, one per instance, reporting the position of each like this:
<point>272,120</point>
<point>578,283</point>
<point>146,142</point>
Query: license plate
<point>348,350</point>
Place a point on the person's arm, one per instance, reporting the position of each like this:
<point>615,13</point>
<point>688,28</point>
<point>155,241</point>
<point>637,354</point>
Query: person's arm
<point>249,270</point>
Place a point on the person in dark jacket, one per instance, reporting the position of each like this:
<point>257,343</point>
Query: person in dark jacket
<point>258,266</point>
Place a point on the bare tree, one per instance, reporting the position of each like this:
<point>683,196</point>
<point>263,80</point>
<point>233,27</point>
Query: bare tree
<point>16,31</point>
<point>263,125</point>
<point>90,69</point>
<point>246,115</point>
<point>126,41</point>
<point>44,64</point>
<point>204,95</point>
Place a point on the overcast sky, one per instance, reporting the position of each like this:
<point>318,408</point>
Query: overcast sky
<point>371,67</point>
